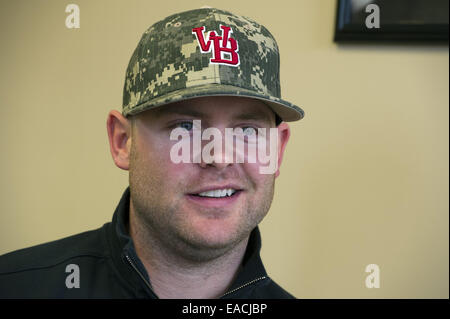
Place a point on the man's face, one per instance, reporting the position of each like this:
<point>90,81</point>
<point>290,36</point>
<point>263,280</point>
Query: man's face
<point>165,195</point>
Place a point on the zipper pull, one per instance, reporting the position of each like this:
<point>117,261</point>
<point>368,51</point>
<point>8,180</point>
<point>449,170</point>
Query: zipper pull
<point>131,263</point>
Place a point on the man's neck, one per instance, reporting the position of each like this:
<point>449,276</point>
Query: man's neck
<point>173,276</point>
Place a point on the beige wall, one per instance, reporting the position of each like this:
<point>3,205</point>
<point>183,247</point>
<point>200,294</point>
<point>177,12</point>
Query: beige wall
<point>364,180</point>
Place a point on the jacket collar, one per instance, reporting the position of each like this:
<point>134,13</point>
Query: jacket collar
<point>122,246</point>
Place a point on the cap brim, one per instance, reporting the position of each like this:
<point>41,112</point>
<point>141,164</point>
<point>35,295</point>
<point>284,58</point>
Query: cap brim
<point>288,112</point>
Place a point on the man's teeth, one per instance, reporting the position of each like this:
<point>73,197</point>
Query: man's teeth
<point>218,193</point>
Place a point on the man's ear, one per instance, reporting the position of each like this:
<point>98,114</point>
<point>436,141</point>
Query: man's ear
<point>284,132</point>
<point>119,134</point>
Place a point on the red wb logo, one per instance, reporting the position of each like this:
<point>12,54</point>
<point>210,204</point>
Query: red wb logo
<point>224,48</point>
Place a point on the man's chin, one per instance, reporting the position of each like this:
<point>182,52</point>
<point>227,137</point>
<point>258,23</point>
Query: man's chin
<point>205,247</point>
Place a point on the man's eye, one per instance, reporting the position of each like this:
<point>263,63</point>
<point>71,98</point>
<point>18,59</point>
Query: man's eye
<point>249,131</point>
<point>187,125</point>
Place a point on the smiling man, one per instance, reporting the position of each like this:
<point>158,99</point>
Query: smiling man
<point>182,229</point>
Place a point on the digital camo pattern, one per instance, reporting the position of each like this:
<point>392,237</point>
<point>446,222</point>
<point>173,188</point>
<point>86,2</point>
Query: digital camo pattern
<point>168,65</point>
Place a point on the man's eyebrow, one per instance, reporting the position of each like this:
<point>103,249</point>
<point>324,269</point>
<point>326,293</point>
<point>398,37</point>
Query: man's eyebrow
<point>256,116</point>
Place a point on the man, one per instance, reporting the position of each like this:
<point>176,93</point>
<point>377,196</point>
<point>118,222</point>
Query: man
<point>184,228</point>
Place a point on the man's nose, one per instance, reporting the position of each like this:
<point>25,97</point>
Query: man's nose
<point>219,158</point>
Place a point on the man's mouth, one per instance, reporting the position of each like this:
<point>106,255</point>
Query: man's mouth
<point>217,193</point>
<point>216,196</point>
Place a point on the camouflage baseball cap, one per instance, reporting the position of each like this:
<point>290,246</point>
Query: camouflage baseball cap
<point>205,52</point>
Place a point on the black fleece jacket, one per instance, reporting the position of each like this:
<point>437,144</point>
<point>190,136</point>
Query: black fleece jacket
<point>103,263</point>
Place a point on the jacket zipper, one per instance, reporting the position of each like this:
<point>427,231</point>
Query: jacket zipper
<point>244,285</point>
<point>227,293</point>
<point>140,274</point>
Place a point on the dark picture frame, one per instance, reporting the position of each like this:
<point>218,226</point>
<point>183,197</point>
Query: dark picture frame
<point>398,21</point>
